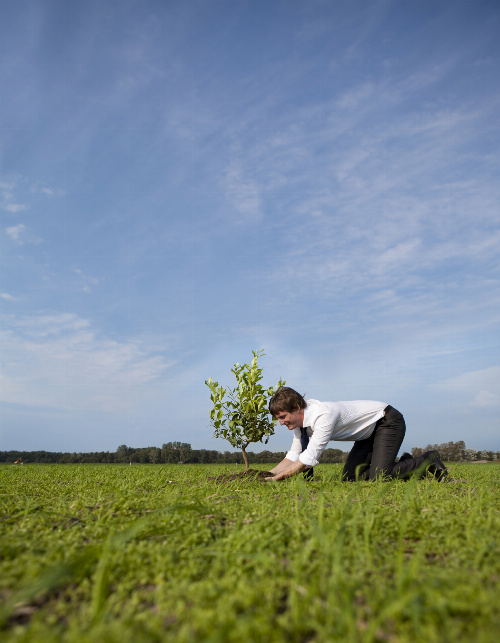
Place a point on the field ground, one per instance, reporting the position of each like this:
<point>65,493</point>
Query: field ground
<point>112,553</point>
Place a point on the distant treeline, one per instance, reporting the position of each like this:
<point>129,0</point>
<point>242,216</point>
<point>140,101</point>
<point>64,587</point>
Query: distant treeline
<point>169,453</point>
<point>457,452</point>
<point>182,453</point>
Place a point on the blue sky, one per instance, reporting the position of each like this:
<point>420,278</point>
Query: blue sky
<point>183,182</point>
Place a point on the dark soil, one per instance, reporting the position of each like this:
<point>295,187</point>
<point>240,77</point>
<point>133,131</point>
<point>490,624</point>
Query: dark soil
<point>251,474</point>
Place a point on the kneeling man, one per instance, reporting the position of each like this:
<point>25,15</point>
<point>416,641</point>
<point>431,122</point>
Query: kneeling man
<point>376,428</point>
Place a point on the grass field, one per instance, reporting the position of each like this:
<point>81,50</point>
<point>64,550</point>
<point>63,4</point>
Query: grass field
<point>111,553</point>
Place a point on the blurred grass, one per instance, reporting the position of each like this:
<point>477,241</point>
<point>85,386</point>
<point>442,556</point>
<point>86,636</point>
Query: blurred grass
<point>160,553</point>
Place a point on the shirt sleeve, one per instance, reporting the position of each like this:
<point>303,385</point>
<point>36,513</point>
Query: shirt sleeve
<point>322,433</point>
<point>296,447</point>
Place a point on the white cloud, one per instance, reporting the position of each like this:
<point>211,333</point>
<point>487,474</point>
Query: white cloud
<point>59,361</point>
<point>380,204</point>
<point>42,188</point>
<point>401,253</point>
<point>243,192</point>
<point>8,201</point>
<point>15,232</point>
<point>353,97</point>
<point>486,398</point>
<point>13,207</point>
<point>86,281</point>
<point>477,388</point>
<point>21,234</point>
<point>11,203</point>
<point>6,296</point>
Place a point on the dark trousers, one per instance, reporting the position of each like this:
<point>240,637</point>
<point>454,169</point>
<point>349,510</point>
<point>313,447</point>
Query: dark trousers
<point>375,457</point>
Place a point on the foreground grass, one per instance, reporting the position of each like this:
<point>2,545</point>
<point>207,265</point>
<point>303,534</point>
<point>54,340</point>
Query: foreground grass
<point>160,553</point>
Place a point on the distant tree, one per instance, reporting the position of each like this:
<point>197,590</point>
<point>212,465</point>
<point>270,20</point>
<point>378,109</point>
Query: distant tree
<point>175,452</point>
<point>154,455</point>
<point>448,451</point>
<point>184,452</point>
<point>123,453</point>
<point>458,451</point>
<point>333,456</point>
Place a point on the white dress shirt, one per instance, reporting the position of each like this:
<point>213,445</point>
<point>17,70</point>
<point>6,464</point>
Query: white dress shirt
<point>327,421</point>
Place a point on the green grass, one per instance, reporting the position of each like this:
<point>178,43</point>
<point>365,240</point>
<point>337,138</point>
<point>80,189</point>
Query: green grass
<point>111,553</point>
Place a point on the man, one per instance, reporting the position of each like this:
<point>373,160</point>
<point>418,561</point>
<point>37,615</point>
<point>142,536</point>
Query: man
<point>376,428</point>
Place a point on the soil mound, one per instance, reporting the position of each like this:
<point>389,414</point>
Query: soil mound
<point>250,475</point>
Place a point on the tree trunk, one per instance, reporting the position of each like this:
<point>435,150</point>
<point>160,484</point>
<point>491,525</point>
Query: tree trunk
<point>245,457</point>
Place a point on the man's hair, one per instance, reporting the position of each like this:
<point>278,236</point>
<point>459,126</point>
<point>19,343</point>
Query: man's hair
<point>286,399</point>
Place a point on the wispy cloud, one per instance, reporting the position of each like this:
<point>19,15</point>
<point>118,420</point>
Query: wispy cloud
<point>374,201</point>
<point>8,201</point>
<point>21,234</point>
<point>476,388</point>
<point>59,361</point>
<point>13,207</point>
<point>243,193</point>
<point>15,232</point>
<point>87,282</point>
<point>45,190</point>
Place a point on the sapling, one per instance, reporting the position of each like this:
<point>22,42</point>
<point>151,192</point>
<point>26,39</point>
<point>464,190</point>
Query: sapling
<point>240,415</point>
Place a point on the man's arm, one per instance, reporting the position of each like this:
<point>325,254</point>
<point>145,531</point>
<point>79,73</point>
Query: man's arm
<point>287,470</point>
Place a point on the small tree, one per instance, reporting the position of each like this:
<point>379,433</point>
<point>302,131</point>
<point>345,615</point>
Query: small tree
<point>242,417</point>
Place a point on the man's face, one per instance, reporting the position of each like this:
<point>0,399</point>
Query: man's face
<point>292,420</point>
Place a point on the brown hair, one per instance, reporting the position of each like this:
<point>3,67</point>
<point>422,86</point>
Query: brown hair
<point>286,399</point>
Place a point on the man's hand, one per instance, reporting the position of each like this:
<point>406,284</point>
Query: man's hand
<point>291,470</point>
<point>280,467</point>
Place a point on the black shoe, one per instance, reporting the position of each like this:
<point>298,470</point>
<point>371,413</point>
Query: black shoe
<point>436,468</point>
<point>405,456</point>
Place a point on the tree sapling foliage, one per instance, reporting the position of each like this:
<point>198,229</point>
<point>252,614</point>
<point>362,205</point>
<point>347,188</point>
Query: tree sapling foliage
<point>241,416</point>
